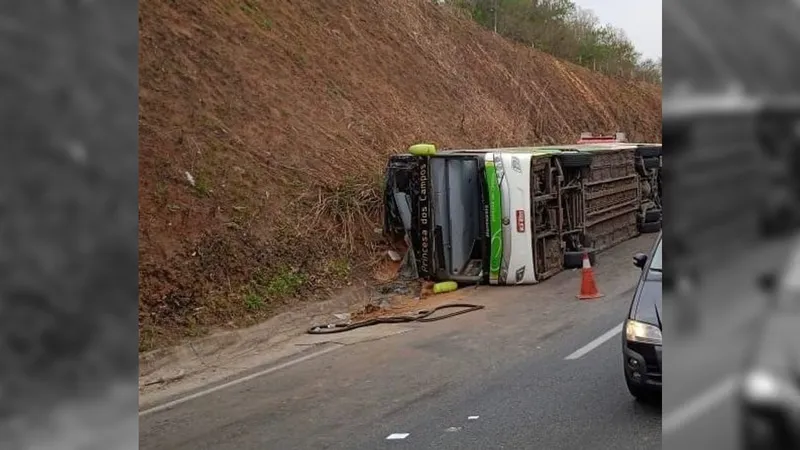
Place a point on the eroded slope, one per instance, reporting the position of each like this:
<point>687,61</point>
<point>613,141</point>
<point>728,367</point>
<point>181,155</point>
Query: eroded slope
<point>265,125</point>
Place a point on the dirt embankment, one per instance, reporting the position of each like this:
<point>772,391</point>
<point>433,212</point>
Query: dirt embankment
<point>265,126</point>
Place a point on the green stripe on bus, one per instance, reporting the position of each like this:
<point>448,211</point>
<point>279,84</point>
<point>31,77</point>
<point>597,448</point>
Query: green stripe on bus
<point>495,222</point>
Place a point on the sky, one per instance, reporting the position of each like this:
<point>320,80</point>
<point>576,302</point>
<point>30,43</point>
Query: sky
<point>641,20</point>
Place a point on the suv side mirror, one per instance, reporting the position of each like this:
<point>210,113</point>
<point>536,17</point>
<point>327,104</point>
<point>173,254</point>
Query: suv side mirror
<point>768,282</point>
<point>639,260</point>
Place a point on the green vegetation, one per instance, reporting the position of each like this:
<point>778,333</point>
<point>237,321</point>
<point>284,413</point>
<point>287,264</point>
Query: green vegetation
<point>252,10</point>
<point>564,30</point>
<point>340,268</point>
<point>262,289</point>
<point>253,301</point>
<point>201,185</point>
<point>285,283</point>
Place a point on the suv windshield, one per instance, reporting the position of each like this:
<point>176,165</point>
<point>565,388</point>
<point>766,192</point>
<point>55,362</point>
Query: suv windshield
<point>655,264</point>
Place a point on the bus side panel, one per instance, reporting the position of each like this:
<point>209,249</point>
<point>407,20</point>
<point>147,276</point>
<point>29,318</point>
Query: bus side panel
<point>495,219</point>
<point>518,237</point>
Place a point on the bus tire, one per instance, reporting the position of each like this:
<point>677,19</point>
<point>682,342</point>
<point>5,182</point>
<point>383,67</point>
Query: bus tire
<point>778,223</point>
<point>650,227</point>
<point>653,215</point>
<point>574,259</point>
<point>652,163</point>
<point>648,152</point>
<point>639,165</point>
<point>575,160</point>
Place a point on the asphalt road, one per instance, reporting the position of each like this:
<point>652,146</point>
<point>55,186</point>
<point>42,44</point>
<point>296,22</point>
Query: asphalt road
<point>703,369</point>
<point>700,408</point>
<point>493,379</point>
<point>500,378</point>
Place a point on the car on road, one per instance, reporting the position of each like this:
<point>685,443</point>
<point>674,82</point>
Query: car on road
<point>641,336</point>
<point>769,395</point>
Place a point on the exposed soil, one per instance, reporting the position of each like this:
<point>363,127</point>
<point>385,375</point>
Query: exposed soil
<point>265,126</point>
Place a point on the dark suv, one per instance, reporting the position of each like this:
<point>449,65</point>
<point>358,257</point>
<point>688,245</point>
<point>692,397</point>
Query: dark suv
<point>770,391</point>
<point>641,337</point>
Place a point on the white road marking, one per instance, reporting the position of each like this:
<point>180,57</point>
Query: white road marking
<point>396,436</point>
<point>231,383</point>
<point>472,417</point>
<point>691,410</point>
<point>453,429</point>
<point>596,343</point>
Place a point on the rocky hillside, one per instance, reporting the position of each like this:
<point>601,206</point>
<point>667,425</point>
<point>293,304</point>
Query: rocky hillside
<point>265,125</point>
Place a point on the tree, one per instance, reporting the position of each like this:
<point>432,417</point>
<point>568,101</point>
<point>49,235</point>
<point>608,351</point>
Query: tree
<point>649,70</point>
<point>564,30</point>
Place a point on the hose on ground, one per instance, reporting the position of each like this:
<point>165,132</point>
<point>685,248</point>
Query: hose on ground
<point>421,316</point>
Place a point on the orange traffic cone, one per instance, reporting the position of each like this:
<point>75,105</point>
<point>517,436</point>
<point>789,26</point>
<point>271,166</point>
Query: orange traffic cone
<point>588,286</point>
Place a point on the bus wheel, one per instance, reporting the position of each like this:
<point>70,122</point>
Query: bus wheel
<point>575,160</point>
<point>574,259</point>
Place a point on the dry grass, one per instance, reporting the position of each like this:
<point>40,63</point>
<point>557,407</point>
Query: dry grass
<point>286,113</point>
<point>347,212</point>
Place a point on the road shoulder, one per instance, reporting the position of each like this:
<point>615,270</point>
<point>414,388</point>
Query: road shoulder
<point>194,368</point>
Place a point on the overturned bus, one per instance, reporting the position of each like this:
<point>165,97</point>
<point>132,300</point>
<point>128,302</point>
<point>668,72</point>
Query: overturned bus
<point>729,185</point>
<point>519,215</point>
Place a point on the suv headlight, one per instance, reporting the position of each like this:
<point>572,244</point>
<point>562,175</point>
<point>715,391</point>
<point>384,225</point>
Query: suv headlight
<point>642,332</point>
<point>764,387</point>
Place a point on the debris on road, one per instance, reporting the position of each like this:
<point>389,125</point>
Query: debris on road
<point>344,317</point>
<point>394,256</point>
<point>420,316</point>
<point>166,379</point>
<point>399,302</point>
<point>443,287</point>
